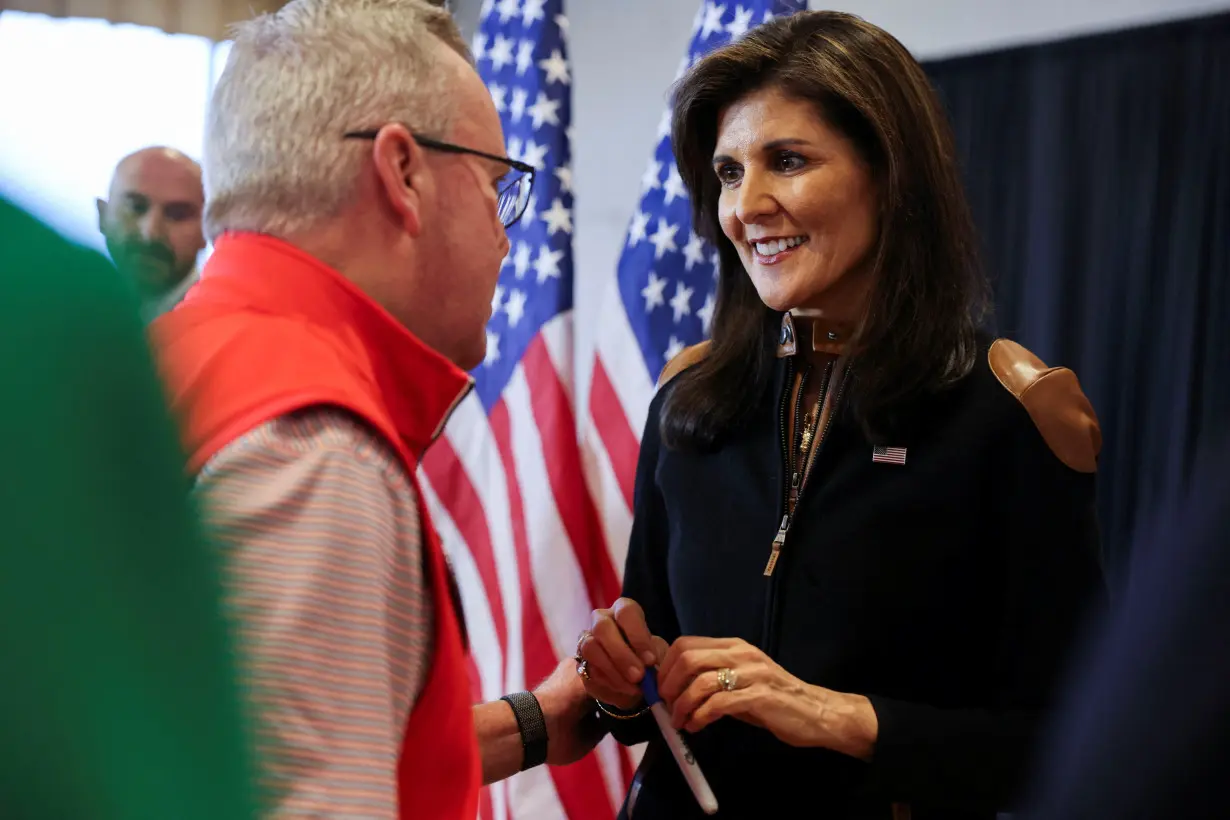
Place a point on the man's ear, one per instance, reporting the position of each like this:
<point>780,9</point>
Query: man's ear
<point>101,205</point>
<point>402,170</point>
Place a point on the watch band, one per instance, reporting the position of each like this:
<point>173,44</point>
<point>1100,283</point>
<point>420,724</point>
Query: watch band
<point>533,727</point>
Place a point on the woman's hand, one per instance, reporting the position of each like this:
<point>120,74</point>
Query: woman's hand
<point>613,653</point>
<point>703,679</point>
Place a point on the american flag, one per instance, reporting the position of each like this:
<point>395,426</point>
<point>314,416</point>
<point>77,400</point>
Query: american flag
<point>504,483</point>
<point>661,300</point>
<point>888,455</point>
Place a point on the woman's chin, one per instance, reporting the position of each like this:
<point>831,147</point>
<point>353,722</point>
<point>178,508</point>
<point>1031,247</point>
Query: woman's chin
<point>777,299</point>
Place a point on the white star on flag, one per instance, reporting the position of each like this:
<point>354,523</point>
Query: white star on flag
<point>479,47</point>
<point>515,308</point>
<point>674,348</point>
<point>493,349</point>
<point>521,261</point>
<point>640,223</point>
<point>562,22</point>
<point>532,11</point>
<point>674,186</point>
<point>547,263</point>
<point>514,148</point>
<point>654,292</point>
<point>508,9</point>
<point>564,175</point>
<point>525,56</point>
<point>694,251</point>
<point>651,179</point>
<point>544,110</point>
<point>556,68</point>
<point>535,154</point>
<point>497,298</point>
<point>558,218</point>
<point>680,302</point>
<point>498,93</point>
<point>664,125</point>
<point>517,108</point>
<point>663,240</point>
<point>705,313</point>
<point>527,218</point>
<point>713,19</point>
<point>742,22</point>
<point>501,53</point>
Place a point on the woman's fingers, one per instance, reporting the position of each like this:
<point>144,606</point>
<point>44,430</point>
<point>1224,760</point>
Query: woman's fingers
<point>631,621</point>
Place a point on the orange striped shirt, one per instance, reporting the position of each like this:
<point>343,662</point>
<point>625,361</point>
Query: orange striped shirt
<point>324,577</point>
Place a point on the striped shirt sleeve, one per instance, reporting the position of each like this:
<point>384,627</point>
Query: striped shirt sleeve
<point>324,581</point>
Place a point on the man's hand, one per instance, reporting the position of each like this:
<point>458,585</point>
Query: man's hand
<point>572,726</point>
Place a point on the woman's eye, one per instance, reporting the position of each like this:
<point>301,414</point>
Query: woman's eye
<point>788,162</point>
<point>728,174</point>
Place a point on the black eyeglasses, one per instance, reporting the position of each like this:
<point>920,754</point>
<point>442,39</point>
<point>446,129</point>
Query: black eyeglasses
<point>514,195</point>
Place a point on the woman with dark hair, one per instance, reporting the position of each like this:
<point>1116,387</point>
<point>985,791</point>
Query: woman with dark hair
<point>864,529</point>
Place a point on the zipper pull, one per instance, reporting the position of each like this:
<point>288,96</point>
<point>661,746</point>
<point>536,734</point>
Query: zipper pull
<point>778,541</point>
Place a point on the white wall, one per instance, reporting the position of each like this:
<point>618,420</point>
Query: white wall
<point>625,54</point>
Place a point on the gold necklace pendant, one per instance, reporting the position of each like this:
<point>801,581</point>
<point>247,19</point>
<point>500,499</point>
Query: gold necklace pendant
<point>806,442</point>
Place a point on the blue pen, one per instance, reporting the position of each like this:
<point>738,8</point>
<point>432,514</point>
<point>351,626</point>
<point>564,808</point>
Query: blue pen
<point>678,746</point>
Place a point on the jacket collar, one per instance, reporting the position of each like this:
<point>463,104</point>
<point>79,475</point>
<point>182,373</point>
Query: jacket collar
<point>419,387</point>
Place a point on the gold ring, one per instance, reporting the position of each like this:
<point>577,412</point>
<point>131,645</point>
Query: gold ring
<point>585,633</point>
<point>727,679</point>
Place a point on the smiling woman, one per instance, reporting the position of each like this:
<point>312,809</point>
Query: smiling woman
<point>864,531</point>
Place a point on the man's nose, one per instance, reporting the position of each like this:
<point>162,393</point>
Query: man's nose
<point>153,226</point>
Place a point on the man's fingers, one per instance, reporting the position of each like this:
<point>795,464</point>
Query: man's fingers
<point>631,620</point>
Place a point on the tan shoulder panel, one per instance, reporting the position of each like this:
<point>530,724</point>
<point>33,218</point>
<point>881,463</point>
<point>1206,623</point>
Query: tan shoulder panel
<point>682,361</point>
<point>1054,400</point>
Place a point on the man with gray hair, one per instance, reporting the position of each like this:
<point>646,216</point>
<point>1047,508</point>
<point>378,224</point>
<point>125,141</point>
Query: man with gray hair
<point>357,196</point>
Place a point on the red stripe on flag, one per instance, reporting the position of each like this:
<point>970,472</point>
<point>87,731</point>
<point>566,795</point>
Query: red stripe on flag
<point>452,486</point>
<point>535,641</point>
<point>618,438</point>
<point>581,789</point>
<point>557,427</point>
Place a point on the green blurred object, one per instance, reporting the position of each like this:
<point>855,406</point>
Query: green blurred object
<point>118,693</point>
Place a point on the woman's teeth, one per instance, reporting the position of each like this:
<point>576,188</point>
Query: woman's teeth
<point>776,246</point>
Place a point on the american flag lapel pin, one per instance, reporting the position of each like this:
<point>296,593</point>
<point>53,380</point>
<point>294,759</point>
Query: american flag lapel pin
<point>888,455</point>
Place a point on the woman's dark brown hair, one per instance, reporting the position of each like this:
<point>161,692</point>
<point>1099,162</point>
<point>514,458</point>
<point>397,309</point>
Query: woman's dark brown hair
<point>919,331</point>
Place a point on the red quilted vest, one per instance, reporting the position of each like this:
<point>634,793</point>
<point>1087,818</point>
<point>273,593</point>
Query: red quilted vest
<point>269,330</point>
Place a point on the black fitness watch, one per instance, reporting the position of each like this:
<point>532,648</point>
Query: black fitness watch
<point>533,727</point>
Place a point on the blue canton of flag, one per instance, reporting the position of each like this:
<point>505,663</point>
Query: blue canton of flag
<point>667,274</point>
<point>521,54</point>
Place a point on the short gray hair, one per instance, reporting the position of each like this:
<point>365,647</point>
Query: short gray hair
<point>295,82</point>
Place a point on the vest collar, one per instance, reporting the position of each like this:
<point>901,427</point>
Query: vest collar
<point>824,335</point>
<point>418,385</point>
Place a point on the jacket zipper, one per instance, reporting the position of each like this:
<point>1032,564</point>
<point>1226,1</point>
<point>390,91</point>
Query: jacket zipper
<point>800,473</point>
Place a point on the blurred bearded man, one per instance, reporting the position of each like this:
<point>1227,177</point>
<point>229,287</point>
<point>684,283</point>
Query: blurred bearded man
<point>151,220</point>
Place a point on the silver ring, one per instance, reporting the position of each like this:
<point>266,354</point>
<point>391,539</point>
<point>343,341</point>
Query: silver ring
<point>727,679</point>
<point>583,669</point>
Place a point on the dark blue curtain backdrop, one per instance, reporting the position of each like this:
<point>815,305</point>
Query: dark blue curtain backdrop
<point>1099,174</point>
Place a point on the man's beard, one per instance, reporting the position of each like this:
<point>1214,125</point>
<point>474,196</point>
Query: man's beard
<point>151,266</point>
